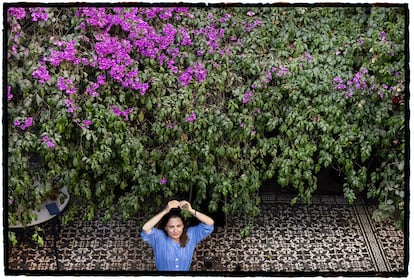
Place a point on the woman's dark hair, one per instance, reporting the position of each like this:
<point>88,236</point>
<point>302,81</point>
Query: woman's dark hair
<point>175,213</point>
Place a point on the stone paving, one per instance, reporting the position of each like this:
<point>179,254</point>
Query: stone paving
<point>329,237</point>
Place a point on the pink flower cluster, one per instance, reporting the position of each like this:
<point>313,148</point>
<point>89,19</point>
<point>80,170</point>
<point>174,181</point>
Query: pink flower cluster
<point>197,71</point>
<point>49,142</point>
<point>67,54</point>
<point>92,89</point>
<point>191,118</point>
<point>163,181</point>
<point>83,124</point>
<point>39,14</point>
<point>17,13</point>
<point>121,113</point>
<point>42,74</point>
<point>28,123</point>
<point>66,85</point>
<point>247,97</point>
<point>115,55</point>
<point>9,93</point>
<point>71,106</point>
<point>359,83</point>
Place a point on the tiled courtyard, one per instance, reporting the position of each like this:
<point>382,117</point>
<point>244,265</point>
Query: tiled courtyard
<point>329,237</point>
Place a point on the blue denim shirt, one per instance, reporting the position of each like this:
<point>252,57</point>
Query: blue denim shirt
<point>168,254</point>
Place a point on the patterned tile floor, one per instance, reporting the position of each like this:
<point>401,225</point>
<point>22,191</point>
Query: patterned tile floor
<point>329,237</point>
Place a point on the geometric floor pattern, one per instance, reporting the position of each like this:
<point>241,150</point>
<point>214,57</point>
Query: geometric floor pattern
<point>328,237</point>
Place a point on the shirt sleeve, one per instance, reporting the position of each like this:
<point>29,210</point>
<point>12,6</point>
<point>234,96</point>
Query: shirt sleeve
<point>201,231</point>
<point>152,236</point>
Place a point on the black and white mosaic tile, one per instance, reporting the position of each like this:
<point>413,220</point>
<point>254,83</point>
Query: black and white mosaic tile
<point>329,236</point>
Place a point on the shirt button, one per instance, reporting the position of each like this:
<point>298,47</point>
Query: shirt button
<point>176,266</point>
<point>176,259</point>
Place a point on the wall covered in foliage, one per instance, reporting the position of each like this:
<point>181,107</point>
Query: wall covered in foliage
<point>126,105</point>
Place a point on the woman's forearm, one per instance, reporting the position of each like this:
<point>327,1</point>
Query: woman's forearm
<point>147,227</point>
<point>202,217</point>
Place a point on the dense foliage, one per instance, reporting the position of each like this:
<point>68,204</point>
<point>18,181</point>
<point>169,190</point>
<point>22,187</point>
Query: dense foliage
<point>126,105</point>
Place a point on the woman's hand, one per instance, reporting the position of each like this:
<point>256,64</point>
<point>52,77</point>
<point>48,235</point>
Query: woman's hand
<point>173,204</point>
<point>200,216</point>
<point>186,206</point>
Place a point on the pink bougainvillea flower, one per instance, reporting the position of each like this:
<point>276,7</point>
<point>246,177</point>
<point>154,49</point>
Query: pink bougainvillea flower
<point>9,93</point>
<point>17,13</point>
<point>49,142</point>
<point>191,118</point>
<point>86,123</point>
<point>41,74</point>
<point>247,97</point>
<point>39,14</point>
<point>28,123</point>
<point>163,181</point>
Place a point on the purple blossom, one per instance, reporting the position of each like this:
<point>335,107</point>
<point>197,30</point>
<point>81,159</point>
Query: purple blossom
<point>56,57</point>
<point>91,90</point>
<point>283,69</point>
<point>250,13</point>
<point>101,80</point>
<point>143,88</point>
<point>104,63</point>
<point>163,181</point>
<point>191,118</point>
<point>257,22</point>
<point>308,56</point>
<point>338,80</point>
<point>186,41</point>
<point>185,77</point>
<point>117,72</point>
<point>41,74</point>
<point>66,85</point>
<point>86,124</point>
<point>71,107</point>
<point>200,73</point>
<point>10,200</point>
<point>69,52</point>
<point>9,93</point>
<point>197,70</point>
<point>39,14</point>
<point>49,142</point>
<point>161,58</point>
<point>247,97</point>
<point>125,113</point>
<point>17,13</point>
<point>383,35</point>
<point>96,16</point>
<point>28,123</point>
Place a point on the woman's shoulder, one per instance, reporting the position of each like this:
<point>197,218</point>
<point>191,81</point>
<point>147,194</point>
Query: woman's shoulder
<point>200,226</point>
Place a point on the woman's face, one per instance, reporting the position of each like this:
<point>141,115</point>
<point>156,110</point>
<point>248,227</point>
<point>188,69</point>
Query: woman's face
<point>174,228</point>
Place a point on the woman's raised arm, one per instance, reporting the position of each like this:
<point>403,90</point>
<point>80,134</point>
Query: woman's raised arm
<point>147,227</point>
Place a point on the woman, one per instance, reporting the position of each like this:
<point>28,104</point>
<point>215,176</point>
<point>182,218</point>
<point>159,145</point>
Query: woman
<point>174,246</point>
